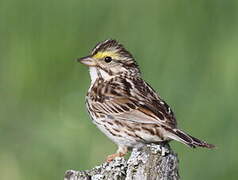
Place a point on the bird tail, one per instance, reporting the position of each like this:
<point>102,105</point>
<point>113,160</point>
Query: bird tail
<point>179,135</point>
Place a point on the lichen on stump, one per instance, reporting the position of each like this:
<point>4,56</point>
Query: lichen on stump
<point>152,162</point>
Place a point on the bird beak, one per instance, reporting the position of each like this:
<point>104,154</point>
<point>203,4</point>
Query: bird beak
<point>88,61</point>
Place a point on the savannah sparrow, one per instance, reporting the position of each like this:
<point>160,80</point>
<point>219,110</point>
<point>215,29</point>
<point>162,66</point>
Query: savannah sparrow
<point>124,106</point>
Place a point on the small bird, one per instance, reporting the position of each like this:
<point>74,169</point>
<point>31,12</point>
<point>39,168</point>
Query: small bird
<point>126,108</point>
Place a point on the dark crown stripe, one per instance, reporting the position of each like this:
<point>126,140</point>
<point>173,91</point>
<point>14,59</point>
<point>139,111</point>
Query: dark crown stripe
<point>111,43</point>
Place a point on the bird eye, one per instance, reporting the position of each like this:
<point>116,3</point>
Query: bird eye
<point>107,59</point>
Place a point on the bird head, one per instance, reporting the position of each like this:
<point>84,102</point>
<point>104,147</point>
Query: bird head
<point>109,58</point>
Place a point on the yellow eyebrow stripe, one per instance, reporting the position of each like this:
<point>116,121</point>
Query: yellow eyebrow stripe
<point>100,55</point>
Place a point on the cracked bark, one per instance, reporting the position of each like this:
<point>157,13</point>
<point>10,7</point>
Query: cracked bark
<point>152,162</point>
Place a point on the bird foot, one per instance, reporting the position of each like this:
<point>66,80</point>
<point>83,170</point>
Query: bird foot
<point>113,156</point>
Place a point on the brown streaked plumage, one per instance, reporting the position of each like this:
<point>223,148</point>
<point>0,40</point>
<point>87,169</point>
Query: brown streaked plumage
<point>124,106</point>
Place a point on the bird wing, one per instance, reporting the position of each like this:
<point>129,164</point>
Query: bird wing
<point>134,100</point>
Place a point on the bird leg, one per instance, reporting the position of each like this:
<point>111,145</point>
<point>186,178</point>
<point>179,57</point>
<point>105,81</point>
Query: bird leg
<point>120,153</point>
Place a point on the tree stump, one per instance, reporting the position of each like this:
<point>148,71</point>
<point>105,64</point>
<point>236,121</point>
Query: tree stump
<point>152,162</point>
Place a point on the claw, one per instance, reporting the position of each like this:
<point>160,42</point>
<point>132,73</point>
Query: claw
<point>120,153</point>
<point>113,156</point>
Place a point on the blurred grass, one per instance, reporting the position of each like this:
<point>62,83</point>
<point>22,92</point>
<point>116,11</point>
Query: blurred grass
<point>186,50</point>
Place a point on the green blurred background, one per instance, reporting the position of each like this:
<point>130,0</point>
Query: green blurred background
<point>187,50</point>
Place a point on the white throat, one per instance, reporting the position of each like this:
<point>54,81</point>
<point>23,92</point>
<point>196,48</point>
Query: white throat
<point>94,74</point>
